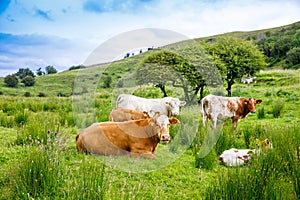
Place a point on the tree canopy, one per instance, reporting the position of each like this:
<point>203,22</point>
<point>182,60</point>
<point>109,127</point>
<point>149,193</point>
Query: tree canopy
<point>184,65</point>
<point>235,58</point>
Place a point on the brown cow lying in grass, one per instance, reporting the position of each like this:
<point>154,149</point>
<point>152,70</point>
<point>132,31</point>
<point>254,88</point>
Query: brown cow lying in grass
<point>124,114</point>
<point>137,138</point>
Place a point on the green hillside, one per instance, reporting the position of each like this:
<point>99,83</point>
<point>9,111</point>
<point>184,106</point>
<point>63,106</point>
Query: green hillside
<point>275,43</point>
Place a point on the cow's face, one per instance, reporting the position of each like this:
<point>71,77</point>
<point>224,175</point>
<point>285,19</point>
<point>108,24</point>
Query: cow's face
<point>163,123</point>
<point>174,104</point>
<point>251,104</point>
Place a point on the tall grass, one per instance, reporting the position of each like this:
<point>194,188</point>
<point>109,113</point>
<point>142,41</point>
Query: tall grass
<point>39,175</point>
<point>274,175</point>
<point>92,182</point>
<point>277,108</point>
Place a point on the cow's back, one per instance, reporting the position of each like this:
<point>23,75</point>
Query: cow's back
<point>94,140</point>
<point>220,107</point>
<point>124,114</point>
<point>142,104</point>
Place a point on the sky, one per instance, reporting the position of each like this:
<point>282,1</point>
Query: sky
<point>35,33</point>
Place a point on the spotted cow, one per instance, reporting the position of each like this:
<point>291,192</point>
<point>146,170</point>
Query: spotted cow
<point>218,107</point>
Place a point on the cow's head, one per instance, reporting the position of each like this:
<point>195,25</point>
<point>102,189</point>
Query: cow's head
<point>251,104</point>
<point>174,104</point>
<point>162,125</point>
<point>264,145</point>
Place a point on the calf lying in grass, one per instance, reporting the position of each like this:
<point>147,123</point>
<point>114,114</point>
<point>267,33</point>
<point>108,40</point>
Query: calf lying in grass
<point>238,157</point>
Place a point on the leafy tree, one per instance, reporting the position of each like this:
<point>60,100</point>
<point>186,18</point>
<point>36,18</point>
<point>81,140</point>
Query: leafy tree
<point>28,81</point>
<point>39,72</point>
<point>235,58</point>
<point>157,69</point>
<point>23,72</point>
<point>293,58</point>
<point>11,80</point>
<point>50,70</point>
<point>184,65</point>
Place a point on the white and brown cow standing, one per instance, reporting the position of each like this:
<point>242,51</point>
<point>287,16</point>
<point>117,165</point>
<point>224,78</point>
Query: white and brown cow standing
<point>137,138</point>
<point>124,114</point>
<point>218,107</point>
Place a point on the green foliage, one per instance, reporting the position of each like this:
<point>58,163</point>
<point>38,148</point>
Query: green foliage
<point>107,81</point>
<point>23,72</point>
<point>236,58</point>
<point>50,70</point>
<point>11,80</point>
<point>38,175</point>
<point>277,108</point>
<point>39,72</point>
<point>261,112</point>
<point>293,58</point>
<point>27,94</point>
<point>28,81</point>
<point>41,94</point>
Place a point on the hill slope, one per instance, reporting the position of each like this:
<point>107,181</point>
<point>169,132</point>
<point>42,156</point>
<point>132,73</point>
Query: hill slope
<point>274,42</point>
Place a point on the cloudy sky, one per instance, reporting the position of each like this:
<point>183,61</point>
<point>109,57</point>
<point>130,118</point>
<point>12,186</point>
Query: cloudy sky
<point>63,33</point>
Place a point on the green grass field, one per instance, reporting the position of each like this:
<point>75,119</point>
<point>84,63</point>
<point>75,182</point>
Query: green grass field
<point>39,160</point>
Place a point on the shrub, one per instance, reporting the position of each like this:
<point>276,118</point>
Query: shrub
<point>261,113</point>
<point>50,70</point>
<point>22,73</point>
<point>277,108</point>
<point>41,94</point>
<point>27,94</point>
<point>11,80</point>
<point>22,117</point>
<point>28,81</point>
<point>107,81</point>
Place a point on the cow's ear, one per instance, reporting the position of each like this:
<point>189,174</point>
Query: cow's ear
<point>174,121</point>
<point>156,114</point>
<point>267,141</point>
<point>258,101</point>
<point>250,152</point>
<point>146,115</point>
<point>182,103</point>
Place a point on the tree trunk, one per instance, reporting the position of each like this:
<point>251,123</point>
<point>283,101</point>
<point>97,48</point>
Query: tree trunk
<point>162,88</point>
<point>201,92</point>
<point>229,92</point>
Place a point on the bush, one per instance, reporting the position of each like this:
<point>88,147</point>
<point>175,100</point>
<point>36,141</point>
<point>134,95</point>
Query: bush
<point>261,113</point>
<point>11,80</point>
<point>277,108</point>
<point>28,81</point>
<point>41,94</point>
<point>107,82</point>
<point>27,94</point>
<point>50,70</point>
<point>22,73</point>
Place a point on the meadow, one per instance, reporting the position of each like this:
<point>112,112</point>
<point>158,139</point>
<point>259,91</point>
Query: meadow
<point>39,160</point>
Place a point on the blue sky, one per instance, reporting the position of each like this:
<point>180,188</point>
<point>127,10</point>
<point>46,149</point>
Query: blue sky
<point>35,33</point>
